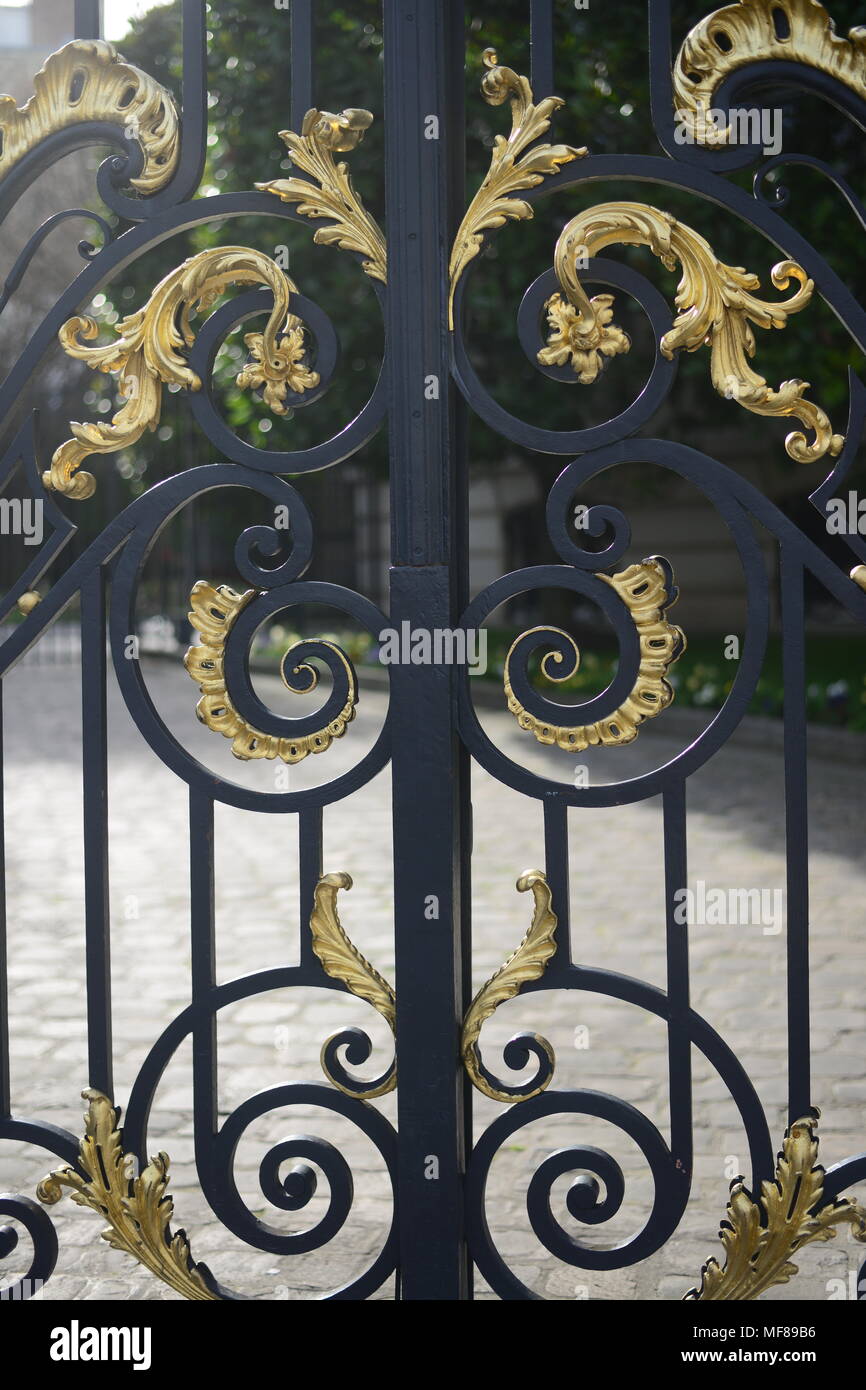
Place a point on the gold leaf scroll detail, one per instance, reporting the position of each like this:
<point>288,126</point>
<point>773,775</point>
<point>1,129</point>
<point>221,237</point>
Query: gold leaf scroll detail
<point>88,81</point>
<point>527,963</point>
<point>760,1237</point>
<point>716,307</point>
<point>511,170</point>
<point>737,35</point>
<point>138,1209</point>
<point>342,960</point>
<point>214,611</point>
<point>647,590</point>
<point>150,348</point>
<point>332,196</point>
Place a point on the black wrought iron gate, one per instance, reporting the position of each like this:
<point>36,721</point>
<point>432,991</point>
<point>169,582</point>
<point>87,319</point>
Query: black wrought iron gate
<point>428,383</point>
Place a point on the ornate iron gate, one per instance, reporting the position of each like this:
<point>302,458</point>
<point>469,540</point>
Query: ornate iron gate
<point>86,93</point>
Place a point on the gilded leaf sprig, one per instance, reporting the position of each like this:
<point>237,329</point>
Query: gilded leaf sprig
<point>331,196</point>
<point>760,1237</point>
<point>513,166</point>
<point>527,963</point>
<point>138,1209</point>
<point>342,960</point>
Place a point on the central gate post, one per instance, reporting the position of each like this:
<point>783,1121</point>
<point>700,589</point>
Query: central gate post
<point>424,61</point>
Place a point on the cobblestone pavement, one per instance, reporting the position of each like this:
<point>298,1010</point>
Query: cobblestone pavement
<point>735,839</point>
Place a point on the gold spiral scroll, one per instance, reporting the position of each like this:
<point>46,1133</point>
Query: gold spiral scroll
<point>214,611</point>
<point>527,963</point>
<point>87,80</point>
<point>716,308</point>
<point>755,31</point>
<point>760,1237</point>
<point>647,590</point>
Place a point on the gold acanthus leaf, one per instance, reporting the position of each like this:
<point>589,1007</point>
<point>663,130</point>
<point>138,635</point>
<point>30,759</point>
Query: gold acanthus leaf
<point>757,31</point>
<point>342,960</point>
<point>150,350</point>
<point>716,304</point>
<point>648,591</point>
<point>761,1237</point>
<point>512,166</point>
<point>88,81</point>
<point>527,963</point>
<point>214,610</point>
<point>138,1209</point>
<point>331,196</point>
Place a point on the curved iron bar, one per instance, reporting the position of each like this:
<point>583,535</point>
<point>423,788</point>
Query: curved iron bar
<point>778,195</point>
<point>24,450</point>
<point>40,1228</point>
<point>215,1153</point>
<point>85,248</point>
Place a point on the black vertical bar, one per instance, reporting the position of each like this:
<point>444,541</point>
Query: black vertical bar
<point>460,550</point>
<point>203,964</point>
<point>310,871</point>
<point>796,834</point>
<point>424,137</point>
<point>556,860</point>
<point>95,777</point>
<point>677,950</point>
<point>301,60</point>
<point>88,19</point>
<point>541,47</point>
<point>5,1092</point>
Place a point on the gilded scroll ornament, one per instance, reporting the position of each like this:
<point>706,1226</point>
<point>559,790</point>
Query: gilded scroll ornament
<point>331,196</point>
<point>88,81</point>
<point>513,166</point>
<point>138,1209</point>
<point>648,591</point>
<point>716,307</point>
<point>342,960</point>
<point>214,610</point>
<point>527,963</point>
<point>753,31</point>
<point>761,1237</point>
<point>150,352</point>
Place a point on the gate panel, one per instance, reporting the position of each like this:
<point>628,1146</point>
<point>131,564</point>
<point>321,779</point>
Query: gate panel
<point>432,737</point>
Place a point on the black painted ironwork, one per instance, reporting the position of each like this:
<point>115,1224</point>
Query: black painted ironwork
<point>432,732</point>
